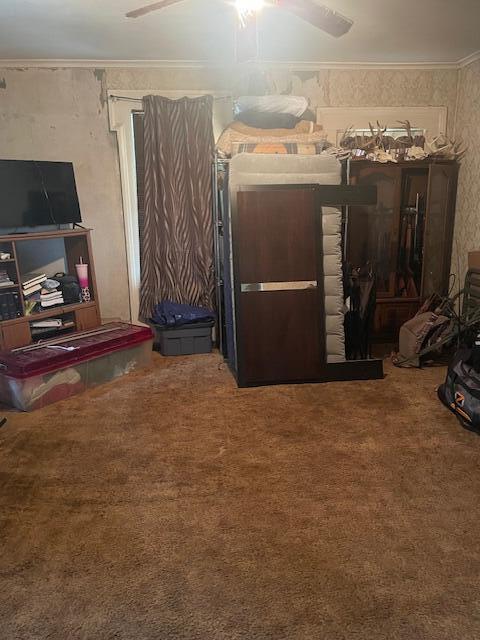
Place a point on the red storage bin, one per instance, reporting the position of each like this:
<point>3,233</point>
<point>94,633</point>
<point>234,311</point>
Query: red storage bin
<point>33,378</point>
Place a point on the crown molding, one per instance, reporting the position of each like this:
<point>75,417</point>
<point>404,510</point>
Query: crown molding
<point>473,57</point>
<point>65,63</point>
<point>307,65</point>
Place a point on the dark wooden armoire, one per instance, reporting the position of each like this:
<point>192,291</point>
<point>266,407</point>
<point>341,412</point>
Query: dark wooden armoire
<point>405,238</point>
<point>277,290</point>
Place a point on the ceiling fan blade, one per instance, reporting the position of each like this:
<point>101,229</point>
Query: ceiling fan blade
<point>246,40</point>
<point>136,13</point>
<point>319,15</point>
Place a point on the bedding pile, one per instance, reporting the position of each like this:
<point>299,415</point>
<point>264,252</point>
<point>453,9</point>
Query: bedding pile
<point>272,125</point>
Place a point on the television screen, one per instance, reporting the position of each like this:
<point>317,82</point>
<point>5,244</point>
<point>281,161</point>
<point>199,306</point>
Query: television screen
<point>36,193</point>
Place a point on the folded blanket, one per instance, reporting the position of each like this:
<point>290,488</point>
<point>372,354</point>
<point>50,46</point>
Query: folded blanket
<point>279,148</point>
<point>304,126</point>
<point>264,120</point>
<point>234,134</point>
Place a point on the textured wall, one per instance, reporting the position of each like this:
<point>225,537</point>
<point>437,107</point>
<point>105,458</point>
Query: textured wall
<point>371,88</point>
<point>333,88</point>
<point>168,79</point>
<point>61,114</point>
<point>467,127</point>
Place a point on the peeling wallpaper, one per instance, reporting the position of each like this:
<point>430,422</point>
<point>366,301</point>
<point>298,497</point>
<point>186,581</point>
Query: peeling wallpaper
<point>467,126</point>
<point>345,88</point>
<point>167,79</point>
<point>61,114</point>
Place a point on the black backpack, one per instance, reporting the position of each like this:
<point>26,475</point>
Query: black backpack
<point>461,390</point>
<point>69,287</point>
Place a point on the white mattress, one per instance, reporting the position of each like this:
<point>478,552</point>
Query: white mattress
<point>251,168</point>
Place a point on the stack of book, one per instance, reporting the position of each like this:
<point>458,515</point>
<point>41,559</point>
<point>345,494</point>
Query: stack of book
<point>5,280</point>
<point>33,283</point>
<point>10,305</point>
<point>40,293</point>
<point>49,298</point>
<point>31,288</point>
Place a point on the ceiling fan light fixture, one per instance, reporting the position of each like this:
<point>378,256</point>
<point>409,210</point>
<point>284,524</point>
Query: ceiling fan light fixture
<point>247,8</point>
<point>316,14</point>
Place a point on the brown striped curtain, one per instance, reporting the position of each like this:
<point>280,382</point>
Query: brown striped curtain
<point>177,235</point>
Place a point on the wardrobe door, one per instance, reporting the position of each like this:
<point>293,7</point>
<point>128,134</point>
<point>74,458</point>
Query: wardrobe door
<point>440,216</point>
<point>372,230</point>
<point>279,284</point>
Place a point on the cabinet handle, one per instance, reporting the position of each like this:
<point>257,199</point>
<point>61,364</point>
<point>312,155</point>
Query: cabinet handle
<point>294,285</point>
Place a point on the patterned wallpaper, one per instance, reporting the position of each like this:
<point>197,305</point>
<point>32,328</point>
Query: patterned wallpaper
<point>325,87</point>
<point>364,88</point>
<point>467,127</point>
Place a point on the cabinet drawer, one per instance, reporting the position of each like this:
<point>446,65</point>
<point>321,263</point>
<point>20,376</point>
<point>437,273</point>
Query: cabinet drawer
<point>87,318</point>
<point>389,317</point>
<point>16,335</point>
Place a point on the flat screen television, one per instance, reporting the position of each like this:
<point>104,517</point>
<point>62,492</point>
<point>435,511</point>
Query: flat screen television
<point>36,193</point>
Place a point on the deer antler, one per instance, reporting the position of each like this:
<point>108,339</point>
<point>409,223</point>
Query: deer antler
<point>445,147</point>
<point>380,133</point>
<point>348,133</point>
<point>380,128</point>
<point>408,127</point>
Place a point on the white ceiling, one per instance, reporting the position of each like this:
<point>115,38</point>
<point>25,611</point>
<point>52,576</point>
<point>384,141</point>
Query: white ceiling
<point>384,31</point>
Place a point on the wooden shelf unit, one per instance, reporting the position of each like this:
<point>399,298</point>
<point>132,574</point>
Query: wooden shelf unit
<point>85,315</point>
<point>51,312</point>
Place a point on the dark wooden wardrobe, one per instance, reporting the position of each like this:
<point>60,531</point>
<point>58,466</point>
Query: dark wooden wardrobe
<point>406,237</point>
<point>278,285</point>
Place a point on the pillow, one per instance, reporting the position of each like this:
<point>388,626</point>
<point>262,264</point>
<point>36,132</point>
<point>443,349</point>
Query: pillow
<point>295,105</point>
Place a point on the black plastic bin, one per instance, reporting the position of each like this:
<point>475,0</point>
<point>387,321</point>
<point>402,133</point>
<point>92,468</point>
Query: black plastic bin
<point>184,340</point>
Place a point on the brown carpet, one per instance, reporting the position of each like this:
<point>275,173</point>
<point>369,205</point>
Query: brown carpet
<point>172,505</point>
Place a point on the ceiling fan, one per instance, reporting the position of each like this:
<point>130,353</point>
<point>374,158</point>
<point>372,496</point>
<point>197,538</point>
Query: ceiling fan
<point>318,15</point>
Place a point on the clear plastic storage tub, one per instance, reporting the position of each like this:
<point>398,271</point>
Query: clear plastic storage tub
<point>33,378</point>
